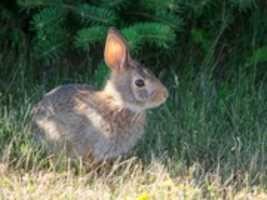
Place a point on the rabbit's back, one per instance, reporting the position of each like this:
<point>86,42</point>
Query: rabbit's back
<point>86,123</point>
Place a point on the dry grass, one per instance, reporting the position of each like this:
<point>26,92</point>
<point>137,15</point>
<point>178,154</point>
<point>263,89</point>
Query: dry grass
<point>125,180</point>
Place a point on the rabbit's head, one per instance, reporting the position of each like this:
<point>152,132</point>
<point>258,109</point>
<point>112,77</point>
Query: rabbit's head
<point>130,83</point>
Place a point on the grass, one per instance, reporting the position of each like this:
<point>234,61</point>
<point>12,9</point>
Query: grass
<point>131,181</point>
<point>208,142</point>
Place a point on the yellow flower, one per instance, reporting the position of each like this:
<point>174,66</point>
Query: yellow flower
<point>143,196</point>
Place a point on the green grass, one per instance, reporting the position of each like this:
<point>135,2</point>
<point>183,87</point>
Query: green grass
<point>218,126</point>
<point>208,141</point>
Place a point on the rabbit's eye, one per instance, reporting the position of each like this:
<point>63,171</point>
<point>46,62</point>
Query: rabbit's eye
<point>139,83</point>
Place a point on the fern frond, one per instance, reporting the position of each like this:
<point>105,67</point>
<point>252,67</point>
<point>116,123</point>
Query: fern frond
<point>51,37</point>
<point>170,19</point>
<point>158,4</point>
<point>89,36</point>
<point>162,11</point>
<point>244,5</point>
<point>198,8</point>
<point>95,15</point>
<point>28,4</point>
<point>115,4</point>
<point>47,18</point>
<point>156,34</point>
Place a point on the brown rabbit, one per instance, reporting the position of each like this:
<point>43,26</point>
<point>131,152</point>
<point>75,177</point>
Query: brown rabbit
<point>100,124</point>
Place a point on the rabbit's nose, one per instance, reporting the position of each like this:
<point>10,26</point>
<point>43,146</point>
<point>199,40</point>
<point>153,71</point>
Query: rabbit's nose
<point>161,95</point>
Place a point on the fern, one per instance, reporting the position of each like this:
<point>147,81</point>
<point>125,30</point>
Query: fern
<point>115,4</point>
<point>48,17</point>
<point>86,37</point>
<point>95,15</point>
<point>163,11</point>
<point>244,5</point>
<point>56,29</point>
<point>158,4</point>
<point>156,34</point>
<point>30,4</point>
<point>170,19</point>
<point>51,37</point>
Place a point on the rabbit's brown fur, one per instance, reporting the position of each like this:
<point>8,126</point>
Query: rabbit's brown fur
<point>101,124</point>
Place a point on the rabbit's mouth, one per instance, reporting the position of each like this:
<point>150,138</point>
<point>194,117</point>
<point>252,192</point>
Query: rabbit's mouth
<point>156,99</point>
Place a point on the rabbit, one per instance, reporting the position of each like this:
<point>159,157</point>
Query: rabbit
<point>100,124</point>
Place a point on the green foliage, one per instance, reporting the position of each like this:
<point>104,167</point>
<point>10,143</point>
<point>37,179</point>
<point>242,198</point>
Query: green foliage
<point>87,37</point>
<point>31,4</point>
<point>95,15</point>
<point>51,38</point>
<point>244,5</point>
<point>153,33</point>
<point>201,38</point>
<point>259,56</point>
<point>203,33</point>
<point>100,75</point>
<point>63,27</point>
<point>11,33</point>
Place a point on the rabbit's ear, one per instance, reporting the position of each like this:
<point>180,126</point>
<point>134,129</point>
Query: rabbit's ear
<point>116,50</point>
